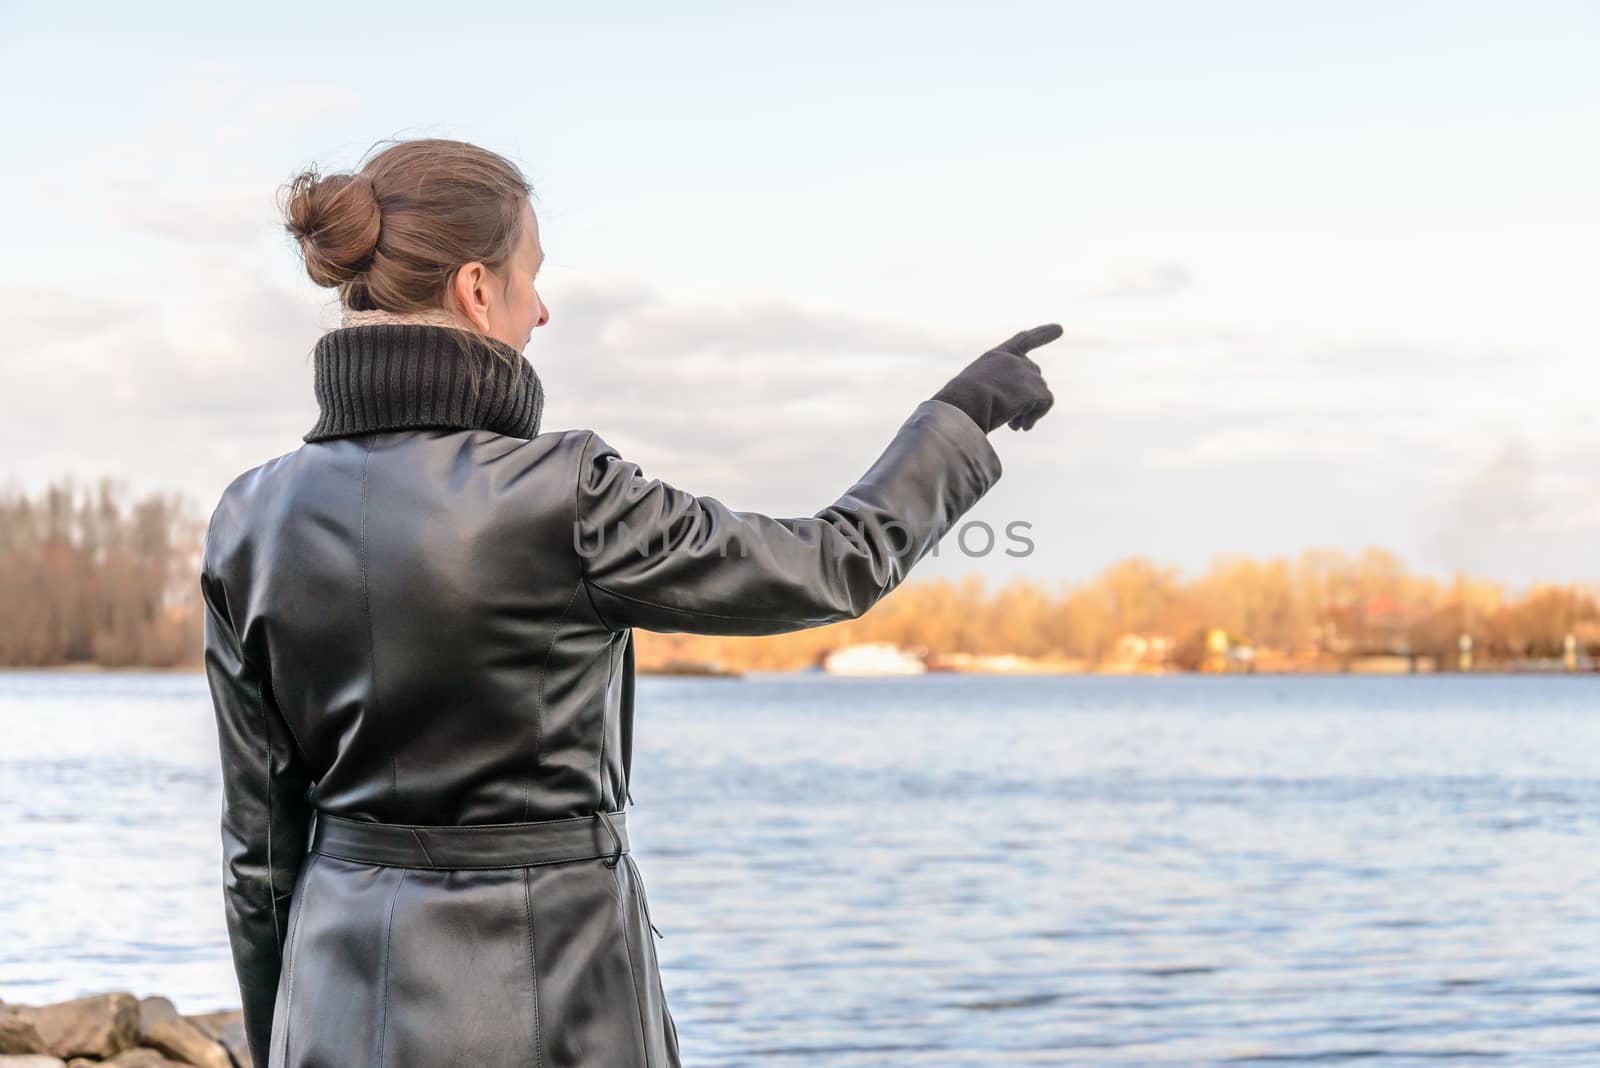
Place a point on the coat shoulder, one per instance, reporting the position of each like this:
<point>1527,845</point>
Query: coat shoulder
<point>229,516</point>
<point>544,470</point>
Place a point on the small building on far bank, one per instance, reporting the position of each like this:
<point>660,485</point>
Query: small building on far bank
<point>874,658</point>
<point>1139,654</point>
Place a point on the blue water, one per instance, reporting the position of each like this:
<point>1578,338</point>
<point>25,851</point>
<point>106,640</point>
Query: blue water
<point>960,871</point>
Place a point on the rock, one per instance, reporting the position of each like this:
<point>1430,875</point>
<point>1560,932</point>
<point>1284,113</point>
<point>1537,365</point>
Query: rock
<point>30,1060</point>
<point>18,1034</point>
<point>185,1043</point>
<point>155,1009</point>
<point>161,1027</point>
<point>101,1025</point>
<point>214,1023</point>
<point>228,1029</point>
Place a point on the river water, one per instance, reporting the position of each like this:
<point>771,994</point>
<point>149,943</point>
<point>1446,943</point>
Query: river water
<point>958,870</point>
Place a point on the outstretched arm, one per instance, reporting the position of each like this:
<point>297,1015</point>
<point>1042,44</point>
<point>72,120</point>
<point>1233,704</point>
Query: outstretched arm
<point>657,557</point>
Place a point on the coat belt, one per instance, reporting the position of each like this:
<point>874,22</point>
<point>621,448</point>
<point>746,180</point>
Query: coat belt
<point>473,845</point>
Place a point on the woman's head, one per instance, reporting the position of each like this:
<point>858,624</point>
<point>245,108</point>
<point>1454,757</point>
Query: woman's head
<point>426,226</point>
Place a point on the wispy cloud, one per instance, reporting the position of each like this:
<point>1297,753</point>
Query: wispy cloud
<point>1141,280</point>
<point>1510,514</point>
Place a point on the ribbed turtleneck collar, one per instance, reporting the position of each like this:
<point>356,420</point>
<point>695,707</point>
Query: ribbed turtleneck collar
<point>401,376</point>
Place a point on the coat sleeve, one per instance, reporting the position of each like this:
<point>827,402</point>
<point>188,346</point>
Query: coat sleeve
<point>265,812</point>
<point>657,557</point>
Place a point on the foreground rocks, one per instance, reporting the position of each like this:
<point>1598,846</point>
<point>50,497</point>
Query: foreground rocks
<point>118,1028</point>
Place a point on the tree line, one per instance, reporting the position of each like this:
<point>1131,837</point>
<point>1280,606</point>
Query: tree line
<point>90,575</point>
<point>1324,602</point>
<point>96,576</point>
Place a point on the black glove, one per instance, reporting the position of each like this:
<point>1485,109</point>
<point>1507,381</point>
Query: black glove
<point>1004,385</point>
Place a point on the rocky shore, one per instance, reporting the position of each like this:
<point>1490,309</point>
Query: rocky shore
<point>119,1028</point>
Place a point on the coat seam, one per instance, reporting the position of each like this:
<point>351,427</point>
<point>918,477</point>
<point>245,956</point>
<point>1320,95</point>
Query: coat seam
<point>583,580</point>
<point>533,972</point>
<point>288,966</point>
<point>639,892</point>
<point>605,722</point>
<point>272,871</point>
<point>627,945</point>
<point>388,933</point>
<point>577,512</point>
<point>366,601</point>
<point>293,736</point>
<point>538,703</point>
<point>655,956</point>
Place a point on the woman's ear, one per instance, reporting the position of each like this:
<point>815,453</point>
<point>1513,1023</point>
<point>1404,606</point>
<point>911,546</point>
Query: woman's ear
<point>470,288</point>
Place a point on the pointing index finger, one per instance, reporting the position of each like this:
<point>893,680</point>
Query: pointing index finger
<point>1032,339</point>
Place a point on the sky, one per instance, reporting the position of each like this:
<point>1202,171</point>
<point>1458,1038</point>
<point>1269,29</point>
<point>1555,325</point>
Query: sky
<point>1326,270</point>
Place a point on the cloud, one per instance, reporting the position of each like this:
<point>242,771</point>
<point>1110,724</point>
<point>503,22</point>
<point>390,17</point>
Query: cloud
<point>167,396</point>
<point>215,103</point>
<point>226,215</point>
<point>189,174</point>
<point>1266,440</point>
<point>1142,280</point>
<point>40,317</point>
<point>295,102</point>
<point>1511,515</point>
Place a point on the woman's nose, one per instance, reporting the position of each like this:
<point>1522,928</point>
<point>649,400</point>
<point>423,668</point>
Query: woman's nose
<point>544,314</point>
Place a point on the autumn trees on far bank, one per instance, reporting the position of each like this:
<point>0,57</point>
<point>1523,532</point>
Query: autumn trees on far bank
<point>1324,602</point>
<point>92,576</point>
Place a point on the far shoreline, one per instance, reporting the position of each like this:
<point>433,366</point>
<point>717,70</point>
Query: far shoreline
<point>100,669</point>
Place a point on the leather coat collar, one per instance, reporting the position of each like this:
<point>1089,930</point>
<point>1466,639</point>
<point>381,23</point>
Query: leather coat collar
<point>400,376</point>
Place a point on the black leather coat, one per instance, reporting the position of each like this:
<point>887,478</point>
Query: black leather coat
<point>430,625</point>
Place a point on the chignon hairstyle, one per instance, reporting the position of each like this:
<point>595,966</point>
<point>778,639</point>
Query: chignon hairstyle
<point>391,235</point>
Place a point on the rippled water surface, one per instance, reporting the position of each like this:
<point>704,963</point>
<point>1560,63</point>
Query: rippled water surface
<point>960,871</point>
